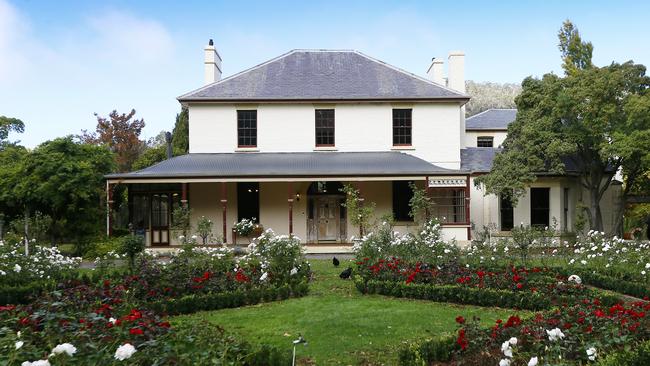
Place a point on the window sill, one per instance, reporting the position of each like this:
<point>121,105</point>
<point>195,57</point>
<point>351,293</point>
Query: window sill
<point>325,148</point>
<point>404,147</point>
<point>247,149</point>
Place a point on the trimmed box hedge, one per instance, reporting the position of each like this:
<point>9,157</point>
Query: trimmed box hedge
<point>457,294</point>
<point>428,352</point>
<point>214,301</point>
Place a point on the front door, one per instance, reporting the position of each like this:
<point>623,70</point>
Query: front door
<point>327,218</point>
<point>160,219</point>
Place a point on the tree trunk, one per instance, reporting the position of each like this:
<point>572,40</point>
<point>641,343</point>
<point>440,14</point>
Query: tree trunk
<point>26,231</point>
<point>595,215</point>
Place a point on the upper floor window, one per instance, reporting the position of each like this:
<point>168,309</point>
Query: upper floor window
<point>247,128</point>
<point>485,141</point>
<point>402,127</point>
<point>324,127</point>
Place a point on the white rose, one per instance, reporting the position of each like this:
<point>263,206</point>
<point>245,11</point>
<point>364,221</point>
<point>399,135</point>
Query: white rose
<point>533,361</point>
<point>64,348</point>
<point>19,344</point>
<point>504,362</point>
<point>124,352</point>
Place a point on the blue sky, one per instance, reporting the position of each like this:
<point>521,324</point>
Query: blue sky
<point>61,61</point>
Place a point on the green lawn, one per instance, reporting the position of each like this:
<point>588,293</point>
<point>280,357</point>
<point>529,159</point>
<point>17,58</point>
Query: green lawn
<point>342,326</point>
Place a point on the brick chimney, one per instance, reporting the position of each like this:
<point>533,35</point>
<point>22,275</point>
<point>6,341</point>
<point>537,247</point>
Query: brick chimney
<point>435,72</point>
<point>212,64</point>
<point>456,71</point>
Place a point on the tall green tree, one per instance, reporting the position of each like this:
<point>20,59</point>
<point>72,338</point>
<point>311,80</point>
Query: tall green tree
<point>592,117</point>
<point>181,132</point>
<point>7,125</point>
<point>65,180</point>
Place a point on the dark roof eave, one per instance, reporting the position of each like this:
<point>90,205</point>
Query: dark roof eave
<point>463,99</point>
<point>192,176</point>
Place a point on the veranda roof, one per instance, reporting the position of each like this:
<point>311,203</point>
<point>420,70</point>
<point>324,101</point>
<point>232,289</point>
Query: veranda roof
<point>294,164</point>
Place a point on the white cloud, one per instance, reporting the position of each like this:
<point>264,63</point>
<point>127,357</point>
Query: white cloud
<point>130,38</point>
<point>13,27</point>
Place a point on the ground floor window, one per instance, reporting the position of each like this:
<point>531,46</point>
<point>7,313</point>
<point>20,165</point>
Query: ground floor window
<point>402,194</point>
<point>539,207</point>
<point>248,201</point>
<point>506,213</point>
<point>448,205</point>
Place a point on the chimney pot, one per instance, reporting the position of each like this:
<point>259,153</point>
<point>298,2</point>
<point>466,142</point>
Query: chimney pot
<point>211,42</point>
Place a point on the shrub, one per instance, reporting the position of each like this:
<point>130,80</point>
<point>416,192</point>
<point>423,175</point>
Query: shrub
<point>42,263</point>
<point>639,355</point>
<point>428,351</point>
<point>457,294</point>
<point>204,229</point>
<point>132,245</point>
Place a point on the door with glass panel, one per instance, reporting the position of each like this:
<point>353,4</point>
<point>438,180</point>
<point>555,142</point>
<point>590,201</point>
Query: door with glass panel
<point>160,219</point>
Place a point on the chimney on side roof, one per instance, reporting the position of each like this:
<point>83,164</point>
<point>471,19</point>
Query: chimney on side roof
<point>435,72</point>
<point>456,71</point>
<point>168,143</point>
<point>212,64</point>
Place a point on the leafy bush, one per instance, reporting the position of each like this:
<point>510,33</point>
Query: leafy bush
<point>214,301</point>
<point>457,294</point>
<point>279,258</point>
<point>639,355</point>
<point>204,229</point>
<point>426,246</point>
<point>427,352</point>
<point>132,245</point>
<point>244,227</point>
<point>42,263</point>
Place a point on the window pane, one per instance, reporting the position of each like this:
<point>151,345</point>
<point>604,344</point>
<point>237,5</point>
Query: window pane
<point>248,201</point>
<point>247,128</point>
<point>448,205</point>
<point>485,141</point>
<point>402,126</point>
<point>324,127</point>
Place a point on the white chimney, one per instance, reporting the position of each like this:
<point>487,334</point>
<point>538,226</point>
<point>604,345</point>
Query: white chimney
<point>435,72</point>
<point>456,77</point>
<point>212,64</point>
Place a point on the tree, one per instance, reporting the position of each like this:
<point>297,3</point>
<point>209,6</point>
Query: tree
<point>490,95</point>
<point>65,180</point>
<point>575,53</point>
<point>156,148</point>
<point>121,133</point>
<point>181,132</point>
<point>8,125</point>
<point>593,117</point>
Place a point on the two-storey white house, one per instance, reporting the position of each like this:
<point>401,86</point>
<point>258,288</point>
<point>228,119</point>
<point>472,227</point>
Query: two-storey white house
<point>276,143</point>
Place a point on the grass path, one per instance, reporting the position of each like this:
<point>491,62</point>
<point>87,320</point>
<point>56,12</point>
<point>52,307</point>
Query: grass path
<point>342,326</point>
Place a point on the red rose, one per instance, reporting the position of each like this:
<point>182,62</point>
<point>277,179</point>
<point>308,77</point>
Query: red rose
<point>460,320</point>
<point>136,331</point>
<point>520,286</point>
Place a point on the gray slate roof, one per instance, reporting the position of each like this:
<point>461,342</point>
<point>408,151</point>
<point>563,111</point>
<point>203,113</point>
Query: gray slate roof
<point>477,159</point>
<point>491,119</point>
<point>317,164</point>
<point>480,160</point>
<point>322,75</point>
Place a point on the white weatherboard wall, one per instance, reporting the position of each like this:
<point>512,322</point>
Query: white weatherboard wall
<point>471,137</point>
<point>358,127</point>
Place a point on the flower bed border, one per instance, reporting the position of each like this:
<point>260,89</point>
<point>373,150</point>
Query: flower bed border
<point>465,295</point>
<point>214,301</point>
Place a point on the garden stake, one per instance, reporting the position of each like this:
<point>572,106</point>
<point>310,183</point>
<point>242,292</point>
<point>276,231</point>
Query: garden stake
<point>296,342</point>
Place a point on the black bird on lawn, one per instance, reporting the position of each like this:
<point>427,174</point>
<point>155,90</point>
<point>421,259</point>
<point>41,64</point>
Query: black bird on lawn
<point>335,261</point>
<point>346,274</point>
